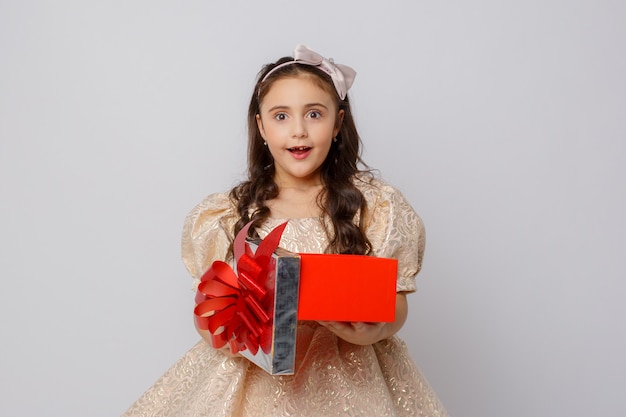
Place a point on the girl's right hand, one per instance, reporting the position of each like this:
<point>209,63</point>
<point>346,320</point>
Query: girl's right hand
<point>206,335</point>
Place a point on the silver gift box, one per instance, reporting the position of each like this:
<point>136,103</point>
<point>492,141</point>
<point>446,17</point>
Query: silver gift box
<point>282,284</point>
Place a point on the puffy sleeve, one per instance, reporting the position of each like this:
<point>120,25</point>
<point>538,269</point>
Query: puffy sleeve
<point>207,234</point>
<point>395,231</point>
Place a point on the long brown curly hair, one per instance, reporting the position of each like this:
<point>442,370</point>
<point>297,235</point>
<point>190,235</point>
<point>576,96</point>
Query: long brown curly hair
<point>340,201</point>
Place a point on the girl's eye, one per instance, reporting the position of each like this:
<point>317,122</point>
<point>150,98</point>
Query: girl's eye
<point>314,114</point>
<point>280,116</point>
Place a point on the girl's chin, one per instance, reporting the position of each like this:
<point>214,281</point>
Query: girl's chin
<point>297,177</point>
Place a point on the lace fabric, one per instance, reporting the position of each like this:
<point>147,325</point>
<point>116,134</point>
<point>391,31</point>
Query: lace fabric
<point>333,377</point>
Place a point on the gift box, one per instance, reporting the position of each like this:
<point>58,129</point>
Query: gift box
<point>347,288</point>
<point>254,308</point>
<point>277,355</point>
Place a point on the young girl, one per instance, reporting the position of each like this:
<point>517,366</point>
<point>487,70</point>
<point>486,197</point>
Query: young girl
<point>304,158</point>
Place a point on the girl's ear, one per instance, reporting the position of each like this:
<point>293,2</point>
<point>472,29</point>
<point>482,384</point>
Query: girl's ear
<point>338,122</point>
<point>259,124</point>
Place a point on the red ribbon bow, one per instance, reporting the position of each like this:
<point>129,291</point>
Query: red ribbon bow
<point>238,308</point>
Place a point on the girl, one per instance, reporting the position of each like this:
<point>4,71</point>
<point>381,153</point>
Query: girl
<point>303,166</point>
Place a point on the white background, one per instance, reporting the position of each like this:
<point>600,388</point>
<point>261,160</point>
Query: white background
<point>502,122</point>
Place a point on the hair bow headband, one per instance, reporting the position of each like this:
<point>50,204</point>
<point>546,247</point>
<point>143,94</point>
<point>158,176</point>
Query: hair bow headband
<point>342,75</point>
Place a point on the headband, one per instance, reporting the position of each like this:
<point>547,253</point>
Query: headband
<point>342,75</point>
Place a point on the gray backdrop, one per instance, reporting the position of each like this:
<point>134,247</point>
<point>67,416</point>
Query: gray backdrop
<point>502,122</point>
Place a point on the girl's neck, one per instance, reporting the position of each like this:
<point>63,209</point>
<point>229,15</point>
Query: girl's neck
<point>296,202</point>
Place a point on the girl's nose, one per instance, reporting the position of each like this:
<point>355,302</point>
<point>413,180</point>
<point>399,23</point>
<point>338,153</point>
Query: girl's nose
<point>299,129</point>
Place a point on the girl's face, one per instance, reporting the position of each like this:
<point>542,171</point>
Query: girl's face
<point>298,120</point>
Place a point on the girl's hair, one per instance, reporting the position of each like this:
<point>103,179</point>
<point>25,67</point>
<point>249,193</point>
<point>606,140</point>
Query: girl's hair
<point>340,199</point>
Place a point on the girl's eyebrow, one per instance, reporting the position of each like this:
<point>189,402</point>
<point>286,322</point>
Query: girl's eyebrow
<point>306,106</point>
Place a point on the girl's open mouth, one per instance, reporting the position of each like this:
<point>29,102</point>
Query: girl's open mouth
<point>299,149</point>
<point>300,152</point>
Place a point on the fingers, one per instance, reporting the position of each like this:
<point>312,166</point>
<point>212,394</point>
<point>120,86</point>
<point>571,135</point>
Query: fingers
<point>360,333</point>
<point>348,324</point>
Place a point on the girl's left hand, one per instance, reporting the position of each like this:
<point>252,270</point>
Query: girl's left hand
<point>359,333</point>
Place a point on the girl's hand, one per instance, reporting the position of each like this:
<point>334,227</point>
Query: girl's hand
<point>368,333</point>
<point>206,335</point>
<point>359,333</point>
<point>226,351</point>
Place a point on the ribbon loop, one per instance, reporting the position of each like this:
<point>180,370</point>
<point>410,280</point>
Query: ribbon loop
<point>235,307</point>
<point>342,75</point>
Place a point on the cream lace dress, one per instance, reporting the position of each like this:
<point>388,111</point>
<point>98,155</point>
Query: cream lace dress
<point>333,377</point>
